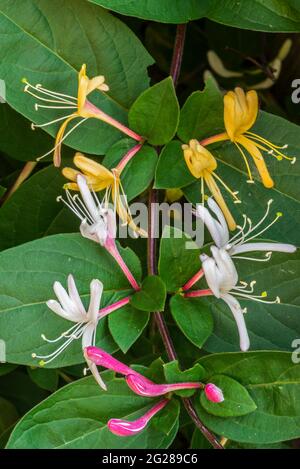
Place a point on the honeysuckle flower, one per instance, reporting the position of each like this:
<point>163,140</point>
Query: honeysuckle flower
<point>240,113</point>
<point>69,306</point>
<point>79,106</point>
<point>99,178</point>
<point>217,65</point>
<point>98,222</point>
<point>122,427</point>
<point>222,279</point>
<point>213,393</point>
<point>139,385</point>
<point>202,164</point>
<point>240,242</point>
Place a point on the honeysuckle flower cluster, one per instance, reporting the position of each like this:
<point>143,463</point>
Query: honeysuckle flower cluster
<point>219,269</point>
<point>98,223</point>
<point>143,386</point>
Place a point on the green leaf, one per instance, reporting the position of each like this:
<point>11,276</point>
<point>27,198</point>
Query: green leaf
<point>174,374</point>
<point>94,37</point>
<point>32,211</point>
<point>172,171</point>
<point>34,267</point>
<point>178,258</point>
<point>20,390</point>
<point>139,172</point>
<point>199,441</point>
<point>237,400</point>
<point>45,379</point>
<point>270,15</point>
<point>8,416</point>
<point>202,114</point>
<point>126,325</point>
<point>57,424</point>
<point>193,318</point>
<point>155,113</point>
<point>270,326</point>
<point>152,295</point>
<point>273,382</point>
<point>273,15</point>
<point>17,138</point>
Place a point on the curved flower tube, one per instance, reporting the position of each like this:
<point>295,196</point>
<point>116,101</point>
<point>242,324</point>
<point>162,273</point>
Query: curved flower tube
<point>139,385</point>
<point>122,427</point>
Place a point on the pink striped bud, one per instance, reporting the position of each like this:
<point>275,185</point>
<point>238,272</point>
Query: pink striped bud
<point>122,427</point>
<point>213,393</point>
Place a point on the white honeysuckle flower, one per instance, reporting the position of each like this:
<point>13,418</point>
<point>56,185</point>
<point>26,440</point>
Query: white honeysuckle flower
<point>98,221</point>
<point>69,306</point>
<point>222,279</point>
<point>239,243</point>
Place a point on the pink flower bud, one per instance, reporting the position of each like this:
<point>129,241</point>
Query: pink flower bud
<point>144,387</point>
<point>213,393</point>
<point>122,427</point>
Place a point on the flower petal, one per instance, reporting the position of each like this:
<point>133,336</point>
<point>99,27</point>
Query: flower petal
<point>248,247</point>
<point>238,315</point>
<point>57,309</point>
<point>75,297</point>
<point>65,301</point>
<point>210,272</point>
<point>96,288</point>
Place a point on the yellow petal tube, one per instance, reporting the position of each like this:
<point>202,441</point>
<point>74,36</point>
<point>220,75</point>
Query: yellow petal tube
<point>198,158</point>
<point>59,138</point>
<point>97,176</point>
<point>214,189</point>
<point>83,83</point>
<point>258,160</point>
<point>240,111</point>
<point>91,167</point>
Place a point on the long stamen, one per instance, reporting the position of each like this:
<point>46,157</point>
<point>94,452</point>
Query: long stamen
<point>37,106</point>
<point>278,215</point>
<point>258,298</point>
<point>70,206</point>
<point>35,126</point>
<point>62,140</point>
<point>59,97</point>
<point>268,256</point>
<point>233,194</point>
<point>250,180</point>
<point>251,229</point>
<point>82,208</point>
<point>274,148</point>
<point>62,335</point>
<point>40,88</point>
<point>48,100</point>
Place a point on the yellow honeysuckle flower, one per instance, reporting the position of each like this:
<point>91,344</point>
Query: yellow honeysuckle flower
<point>240,113</point>
<point>100,178</point>
<point>80,106</point>
<point>202,164</point>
